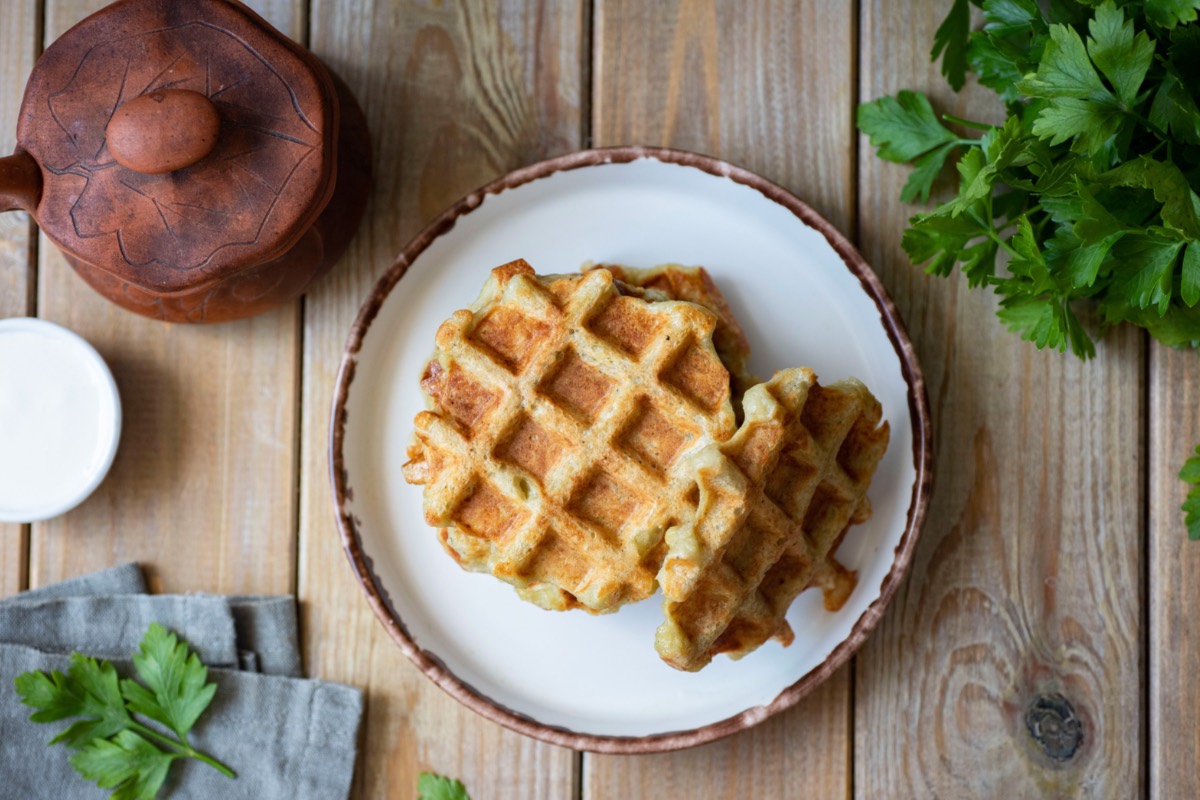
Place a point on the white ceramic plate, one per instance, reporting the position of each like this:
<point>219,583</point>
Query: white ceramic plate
<point>804,298</point>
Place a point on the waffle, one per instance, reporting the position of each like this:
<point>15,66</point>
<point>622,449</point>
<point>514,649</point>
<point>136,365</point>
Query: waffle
<point>554,454</point>
<point>694,285</point>
<point>774,502</point>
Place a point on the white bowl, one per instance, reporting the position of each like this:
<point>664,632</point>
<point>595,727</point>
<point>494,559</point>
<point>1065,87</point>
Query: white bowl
<point>60,419</point>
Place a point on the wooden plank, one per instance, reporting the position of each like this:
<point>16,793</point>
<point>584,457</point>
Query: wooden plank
<point>20,21</point>
<point>1024,602</point>
<point>785,756</point>
<point>455,94</point>
<point>746,82</point>
<point>750,83</point>
<point>202,491</point>
<point>1174,583</point>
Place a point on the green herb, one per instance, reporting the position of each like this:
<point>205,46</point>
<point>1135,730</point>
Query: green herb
<point>952,39</point>
<point>439,787</point>
<point>112,747</point>
<point>1086,193</point>
<point>1191,506</point>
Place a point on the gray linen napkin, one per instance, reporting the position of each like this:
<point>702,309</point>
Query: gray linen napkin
<point>266,634</point>
<point>257,634</point>
<point>125,579</point>
<point>287,738</point>
<point>111,627</point>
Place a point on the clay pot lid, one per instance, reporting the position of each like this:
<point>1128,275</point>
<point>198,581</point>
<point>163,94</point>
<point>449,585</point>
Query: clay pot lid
<point>256,187</point>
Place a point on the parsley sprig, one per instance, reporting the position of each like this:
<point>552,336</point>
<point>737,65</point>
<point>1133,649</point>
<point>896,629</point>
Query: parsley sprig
<point>1190,474</point>
<point>439,787</point>
<point>113,748</point>
<point>1082,203</point>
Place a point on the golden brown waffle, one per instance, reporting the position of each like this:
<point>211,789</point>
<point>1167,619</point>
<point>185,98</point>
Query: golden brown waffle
<point>695,285</point>
<point>554,453</point>
<point>774,502</point>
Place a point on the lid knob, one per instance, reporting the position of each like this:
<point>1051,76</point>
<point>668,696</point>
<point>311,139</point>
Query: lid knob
<point>163,131</point>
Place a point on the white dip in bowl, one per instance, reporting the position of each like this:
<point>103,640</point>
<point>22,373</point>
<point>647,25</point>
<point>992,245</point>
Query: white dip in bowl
<point>60,419</point>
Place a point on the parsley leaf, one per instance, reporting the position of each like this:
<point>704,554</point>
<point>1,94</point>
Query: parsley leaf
<point>928,167</point>
<point>178,689</point>
<point>439,787</point>
<point>1178,327</point>
<point>1169,13</point>
<point>1034,305</point>
<point>1006,17</point>
<point>1190,474</point>
<point>114,748</point>
<point>1002,53</point>
<point>1121,56</point>
<point>903,127</point>
<point>951,41</point>
<point>1180,205</point>
<point>1000,148</point>
<point>1071,12</point>
<point>1045,322</point>
<point>1079,106</point>
<point>1078,263</point>
<point>130,764</point>
<point>1069,117</point>
<point>1144,271</point>
<point>1175,111</point>
<point>88,690</point>
<point>996,68</point>
<point>1065,70</point>
<point>1189,288</point>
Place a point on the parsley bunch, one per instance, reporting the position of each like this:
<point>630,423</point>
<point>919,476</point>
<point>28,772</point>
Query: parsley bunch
<point>112,747</point>
<point>1087,188</point>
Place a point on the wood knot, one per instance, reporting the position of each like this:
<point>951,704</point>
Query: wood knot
<point>1053,724</point>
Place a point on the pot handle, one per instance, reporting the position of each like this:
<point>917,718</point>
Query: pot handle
<point>20,182</point>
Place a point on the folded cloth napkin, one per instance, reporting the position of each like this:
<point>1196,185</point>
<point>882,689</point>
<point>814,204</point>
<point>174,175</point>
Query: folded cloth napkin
<point>267,635</point>
<point>125,579</point>
<point>257,634</point>
<point>111,627</point>
<point>286,737</point>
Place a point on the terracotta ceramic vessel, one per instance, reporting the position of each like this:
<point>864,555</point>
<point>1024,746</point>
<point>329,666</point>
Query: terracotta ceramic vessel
<point>194,164</point>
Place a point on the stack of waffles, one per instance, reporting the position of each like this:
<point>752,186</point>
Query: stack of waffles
<point>581,443</point>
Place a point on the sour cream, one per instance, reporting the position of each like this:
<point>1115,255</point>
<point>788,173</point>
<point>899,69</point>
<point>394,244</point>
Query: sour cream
<point>60,419</point>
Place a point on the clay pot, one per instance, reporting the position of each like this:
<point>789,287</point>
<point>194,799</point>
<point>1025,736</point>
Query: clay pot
<point>192,163</point>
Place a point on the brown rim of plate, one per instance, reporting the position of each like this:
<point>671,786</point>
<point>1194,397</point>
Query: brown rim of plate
<point>428,662</point>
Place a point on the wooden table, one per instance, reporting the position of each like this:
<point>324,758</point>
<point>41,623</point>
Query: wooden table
<point>1053,574</point>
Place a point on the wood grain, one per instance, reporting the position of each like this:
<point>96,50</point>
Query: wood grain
<point>202,491</point>
<point>20,21</point>
<point>750,83</point>
<point>746,82</point>
<point>1027,583</point>
<point>455,94</point>
<point>1174,586</point>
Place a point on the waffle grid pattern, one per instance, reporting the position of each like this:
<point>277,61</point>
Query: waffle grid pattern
<point>775,501</point>
<point>560,461</point>
<point>695,285</point>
